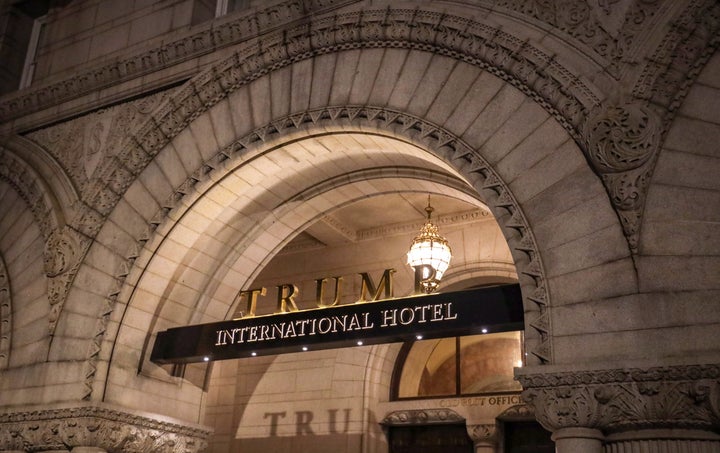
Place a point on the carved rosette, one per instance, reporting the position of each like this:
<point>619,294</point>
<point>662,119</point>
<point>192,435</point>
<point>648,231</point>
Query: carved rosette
<point>622,143</point>
<point>111,430</point>
<point>686,397</point>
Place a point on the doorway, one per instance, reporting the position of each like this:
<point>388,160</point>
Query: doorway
<point>448,438</point>
<point>526,437</point>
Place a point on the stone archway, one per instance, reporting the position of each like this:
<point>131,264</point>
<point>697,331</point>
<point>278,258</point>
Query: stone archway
<point>215,152</point>
<point>243,105</point>
<point>244,81</point>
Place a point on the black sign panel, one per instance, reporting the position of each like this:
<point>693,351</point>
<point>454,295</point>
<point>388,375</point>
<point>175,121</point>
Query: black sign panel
<point>483,310</point>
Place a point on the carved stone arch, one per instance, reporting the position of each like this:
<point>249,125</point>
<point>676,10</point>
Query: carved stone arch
<point>53,200</point>
<point>532,71</point>
<point>394,124</point>
<point>26,168</point>
<point>5,316</point>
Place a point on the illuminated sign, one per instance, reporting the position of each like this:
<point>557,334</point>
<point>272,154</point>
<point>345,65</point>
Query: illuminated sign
<point>482,310</point>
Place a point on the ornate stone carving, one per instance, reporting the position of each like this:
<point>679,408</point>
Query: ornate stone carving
<point>518,412</point>
<point>456,219</point>
<point>82,145</point>
<point>622,143</point>
<point>623,137</point>
<point>483,434</point>
<point>608,28</point>
<point>421,417</point>
<point>31,188</point>
<point>605,26</point>
<point>627,399</point>
<point>691,40</point>
<point>5,316</point>
<point>113,430</point>
<point>63,252</point>
<point>511,59</point>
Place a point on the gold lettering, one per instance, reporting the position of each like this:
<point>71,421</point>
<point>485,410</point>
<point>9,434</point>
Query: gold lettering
<point>286,298</point>
<point>320,294</point>
<point>251,295</point>
<point>368,286</point>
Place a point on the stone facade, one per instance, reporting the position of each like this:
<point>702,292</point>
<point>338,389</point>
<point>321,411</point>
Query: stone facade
<point>161,159</point>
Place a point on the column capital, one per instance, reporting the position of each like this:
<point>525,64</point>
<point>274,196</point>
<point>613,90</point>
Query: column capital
<point>483,434</point>
<point>684,397</point>
<point>97,428</point>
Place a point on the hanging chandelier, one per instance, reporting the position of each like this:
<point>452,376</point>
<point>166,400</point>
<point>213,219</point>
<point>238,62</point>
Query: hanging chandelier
<point>429,255</point>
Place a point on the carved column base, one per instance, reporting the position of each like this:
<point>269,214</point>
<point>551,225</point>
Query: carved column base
<point>96,428</point>
<point>572,440</point>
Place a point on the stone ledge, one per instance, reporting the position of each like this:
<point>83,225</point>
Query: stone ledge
<point>110,428</point>
<point>628,399</point>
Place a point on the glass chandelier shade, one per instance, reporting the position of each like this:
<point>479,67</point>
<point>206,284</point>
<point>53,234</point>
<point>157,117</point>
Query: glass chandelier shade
<point>431,253</point>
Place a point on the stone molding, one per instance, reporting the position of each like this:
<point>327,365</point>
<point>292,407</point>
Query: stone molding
<point>421,417</point>
<point>110,429</point>
<point>519,412</point>
<point>458,218</point>
<point>608,31</point>
<point>31,188</point>
<point>607,28</point>
<point>617,400</point>
<point>81,144</point>
<point>687,46</point>
<point>64,247</point>
<point>165,53</point>
<point>5,315</point>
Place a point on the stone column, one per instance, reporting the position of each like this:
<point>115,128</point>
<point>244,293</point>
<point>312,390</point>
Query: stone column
<point>586,440</point>
<point>484,437</point>
<point>668,409</point>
